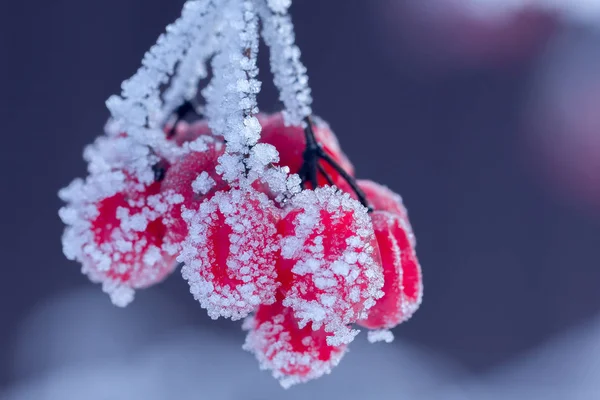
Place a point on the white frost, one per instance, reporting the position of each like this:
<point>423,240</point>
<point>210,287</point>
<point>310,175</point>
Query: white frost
<point>382,335</point>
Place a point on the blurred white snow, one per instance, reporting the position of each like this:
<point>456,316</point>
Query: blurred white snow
<point>81,347</point>
<point>76,347</point>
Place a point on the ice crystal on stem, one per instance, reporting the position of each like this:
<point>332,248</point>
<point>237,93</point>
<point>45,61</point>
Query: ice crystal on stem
<point>288,71</point>
<point>263,211</point>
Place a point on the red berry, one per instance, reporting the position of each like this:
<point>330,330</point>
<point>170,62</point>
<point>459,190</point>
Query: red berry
<point>403,286</point>
<point>194,179</point>
<point>383,199</point>
<point>231,251</point>
<point>330,271</point>
<point>293,354</point>
<point>119,239</point>
<point>290,143</point>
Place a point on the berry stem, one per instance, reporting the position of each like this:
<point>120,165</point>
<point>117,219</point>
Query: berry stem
<point>308,172</point>
<point>351,181</point>
<point>312,154</point>
<point>326,175</point>
<point>159,169</point>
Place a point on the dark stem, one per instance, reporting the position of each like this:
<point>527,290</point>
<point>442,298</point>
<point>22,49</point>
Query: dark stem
<point>188,107</point>
<point>326,175</point>
<point>311,166</point>
<point>159,169</point>
<point>351,181</point>
<point>308,172</point>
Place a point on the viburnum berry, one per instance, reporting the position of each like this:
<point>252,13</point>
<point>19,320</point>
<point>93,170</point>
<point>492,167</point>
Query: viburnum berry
<point>194,179</point>
<point>290,142</point>
<point>330,270</point>
<point>119,236</point>
<point>403,286</point>
<point>293,354</point>
<point>231,252</point>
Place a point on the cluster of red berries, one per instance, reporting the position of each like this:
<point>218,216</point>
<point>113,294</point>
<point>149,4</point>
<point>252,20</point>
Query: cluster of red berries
<point>303,268</point>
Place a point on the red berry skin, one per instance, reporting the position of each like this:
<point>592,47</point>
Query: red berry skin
<point>231,252</point>
<point>381,198</point>
<point>403,284</point>
<point>179,181</point>
<point>290,143</point>
<point>293,354</point>
<point>330,271</point>
<point>120,240</point>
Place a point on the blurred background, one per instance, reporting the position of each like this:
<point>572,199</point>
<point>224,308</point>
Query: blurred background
<point>484,115</point>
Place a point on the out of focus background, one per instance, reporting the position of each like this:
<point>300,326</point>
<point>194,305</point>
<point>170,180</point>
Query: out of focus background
<point>484,115</point>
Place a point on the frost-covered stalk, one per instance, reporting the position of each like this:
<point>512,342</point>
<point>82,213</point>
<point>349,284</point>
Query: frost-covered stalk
<point>192,68</point>
<point>229,29</point>
<point>231,94</point>
<point>139,110</point>
<point>288,71</point>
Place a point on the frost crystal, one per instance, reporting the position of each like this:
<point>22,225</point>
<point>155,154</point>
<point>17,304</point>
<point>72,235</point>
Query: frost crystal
<point>203,183</point>
<point>382,335</point>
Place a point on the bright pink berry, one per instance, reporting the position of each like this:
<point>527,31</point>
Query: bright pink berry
<point>231,251</point>
<point>293,354</point>
<point>193,178</point>
<point>120,239</point>
<point>290,143</point>
<point>403,285</point>
<point>329,270</point>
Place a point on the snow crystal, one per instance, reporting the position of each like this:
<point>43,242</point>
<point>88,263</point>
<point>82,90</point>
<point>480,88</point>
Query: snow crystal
<point>382,335</point>
<point>261,156</point>
<point>279,6</point>
<point>120,296</point>
<point>203,183</point>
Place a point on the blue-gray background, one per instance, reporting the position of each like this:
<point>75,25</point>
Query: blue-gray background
<point>507,264</point>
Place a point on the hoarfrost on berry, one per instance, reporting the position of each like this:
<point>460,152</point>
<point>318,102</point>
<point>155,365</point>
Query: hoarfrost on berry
<point>403,285</point>
<point>230,253</point>
<point>294,354</point>
<point>329,267</point>
<point>117,235</point>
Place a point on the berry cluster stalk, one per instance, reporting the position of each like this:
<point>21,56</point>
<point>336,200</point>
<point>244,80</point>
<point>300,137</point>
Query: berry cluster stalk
<point>311,166</point>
